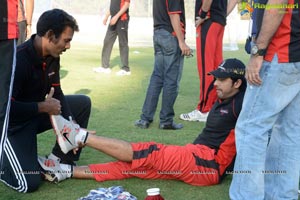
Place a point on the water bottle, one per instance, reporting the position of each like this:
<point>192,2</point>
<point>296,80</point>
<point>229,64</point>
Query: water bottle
<point>154,194</point>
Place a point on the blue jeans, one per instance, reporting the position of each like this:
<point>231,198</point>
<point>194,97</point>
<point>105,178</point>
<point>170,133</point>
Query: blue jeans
<point>269,170</point>
<point>165,77</point>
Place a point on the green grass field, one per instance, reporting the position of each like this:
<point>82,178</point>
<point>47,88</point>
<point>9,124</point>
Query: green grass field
<point>116,104</point>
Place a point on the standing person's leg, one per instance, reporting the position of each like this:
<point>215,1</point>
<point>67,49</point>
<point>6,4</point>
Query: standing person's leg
<point>261,108</point>
<point>209,40</point>
<point>210,54</point>
<point>22,32</point>
<point>283,154</point>
<point>20,168</point>
<point>122,29</point>
<point>172,71</point>
<point>7,68</point>
<point>155,84</point>
<point>80,106</point>
<point>108,43</point>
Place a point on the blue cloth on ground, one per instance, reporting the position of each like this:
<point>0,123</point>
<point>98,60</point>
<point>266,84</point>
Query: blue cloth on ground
<point>111,193</point>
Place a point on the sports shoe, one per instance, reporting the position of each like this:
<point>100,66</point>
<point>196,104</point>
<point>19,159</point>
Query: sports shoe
<point>122,72</point>
<point>142,123</point>
<point>195,115</point>
<point>172,126</point>
<point>52,170</point>
<point>102,70</point>
<point>68,133</point>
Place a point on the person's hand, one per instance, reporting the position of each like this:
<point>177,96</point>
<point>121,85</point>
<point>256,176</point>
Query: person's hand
<point>185,49</point>
<point>105,21</point>
<point>51,105</point>
<point>81,145</point>
<point>113,20</point>
<point>28,31</point>
<point>253,69</point>
<point>199,21</point>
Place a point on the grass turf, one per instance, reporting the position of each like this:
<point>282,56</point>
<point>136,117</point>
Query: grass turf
<point>116,104</point>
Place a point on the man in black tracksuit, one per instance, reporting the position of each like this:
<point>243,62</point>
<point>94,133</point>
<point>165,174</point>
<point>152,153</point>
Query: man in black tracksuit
<point>36,95</point>
<point>118,27</point>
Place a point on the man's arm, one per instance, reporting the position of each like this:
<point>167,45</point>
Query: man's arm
<point>203,12</point>
<point>106,17</point>
<point>270,23</point>
<point>231,5</point>
<point>115,18</point>
<point>175,21</point>
<point>29,13</point>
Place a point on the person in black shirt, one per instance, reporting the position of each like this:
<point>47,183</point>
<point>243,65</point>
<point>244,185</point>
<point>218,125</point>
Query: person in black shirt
<point>205,162</point>
<point>36,95</point>
<point>210,21</point>
<point>118,27</point>
<point>170,49</point>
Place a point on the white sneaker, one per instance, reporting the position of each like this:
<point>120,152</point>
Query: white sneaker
<point>68,133</point>
<point>195,115</point>
<point>52,169</point>
<point>122,72</point>
<point>102,70</point>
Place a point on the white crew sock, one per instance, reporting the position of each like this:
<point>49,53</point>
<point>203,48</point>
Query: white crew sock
<point>81,137</point>
<point>67,169</point>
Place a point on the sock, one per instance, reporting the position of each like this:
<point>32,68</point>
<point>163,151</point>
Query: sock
<point>81,137</point>
<point>67,169</point>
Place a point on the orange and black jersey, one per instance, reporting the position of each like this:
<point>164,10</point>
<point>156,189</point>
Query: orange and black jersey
<point>217,12</point>
<point>286,41</point>
<point>8,19</point>
<point>218,133</point>
<point>115,7</point>
<point>34,76</point>
<point>161,11</point>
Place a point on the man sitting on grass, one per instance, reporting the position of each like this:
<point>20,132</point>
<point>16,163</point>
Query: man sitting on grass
<point>202,163</point>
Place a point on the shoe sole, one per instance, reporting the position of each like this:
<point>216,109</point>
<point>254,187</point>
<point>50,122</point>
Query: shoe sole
<point>50,177</point>
<point>190,120</point>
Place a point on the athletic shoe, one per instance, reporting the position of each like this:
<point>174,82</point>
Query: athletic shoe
<point>172,126</point>
<point>142,123</point>
<point>52,170</point>
<point>195,115</point>
<point>122,72</point>
<point>68,133</point>
<point>102,70</point>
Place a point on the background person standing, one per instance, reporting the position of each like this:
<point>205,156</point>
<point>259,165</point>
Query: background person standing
<point>267,130</point>
<point>25,12</point>
<point>169,50</point>
<point>210,21</point>
<point>118,27</point>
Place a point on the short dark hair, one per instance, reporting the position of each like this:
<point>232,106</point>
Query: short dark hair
<point>56,20</point>
<point>243,85</point>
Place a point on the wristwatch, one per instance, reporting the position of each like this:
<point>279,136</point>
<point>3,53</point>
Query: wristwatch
<point>255,51</point>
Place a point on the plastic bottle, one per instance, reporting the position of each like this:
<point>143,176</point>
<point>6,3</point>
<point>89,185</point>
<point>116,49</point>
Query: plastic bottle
<point>154,194</point>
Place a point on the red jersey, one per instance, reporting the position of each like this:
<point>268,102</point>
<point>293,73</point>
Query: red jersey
<point>8,22</point>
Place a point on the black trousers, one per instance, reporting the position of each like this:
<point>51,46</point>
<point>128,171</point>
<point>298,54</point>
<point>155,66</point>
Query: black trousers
<point>7,68</point>
<point>20,169</point>
<point>120,30</point>
<point>22,25</point>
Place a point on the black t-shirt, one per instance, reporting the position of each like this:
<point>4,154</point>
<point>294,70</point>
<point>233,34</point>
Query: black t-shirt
<point>162,10</point>
<point>34,76</point>
<point>115,7</point>
<point>221,121</point>
<point>217,12</point>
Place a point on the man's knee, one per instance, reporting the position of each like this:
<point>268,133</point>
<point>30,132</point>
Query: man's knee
<point>24,183</point>
<point>33,185</point>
